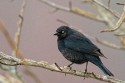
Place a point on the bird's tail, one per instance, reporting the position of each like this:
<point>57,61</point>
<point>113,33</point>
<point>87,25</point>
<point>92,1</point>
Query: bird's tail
<point>104,69</point>
<point>96,60</point>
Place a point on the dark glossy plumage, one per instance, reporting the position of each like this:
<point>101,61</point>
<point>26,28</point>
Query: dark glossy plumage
<point>78,49</point>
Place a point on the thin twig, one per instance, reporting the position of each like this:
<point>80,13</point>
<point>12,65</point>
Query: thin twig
<point>109,44</point>
<point>70,4</point>
<point>62,21</point>
<point>6,34</point>
<point>58,66</point>
<point>120,3</point>
<point>109,3</point>
<point>120,34</point>
<point>19,29</point>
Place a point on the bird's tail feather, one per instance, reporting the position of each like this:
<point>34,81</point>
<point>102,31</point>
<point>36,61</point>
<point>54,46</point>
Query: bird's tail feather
<point>105,70</point>
<point>96,60</point>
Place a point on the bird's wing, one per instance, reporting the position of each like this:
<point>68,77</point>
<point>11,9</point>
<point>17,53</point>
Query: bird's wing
<point>82,44</point>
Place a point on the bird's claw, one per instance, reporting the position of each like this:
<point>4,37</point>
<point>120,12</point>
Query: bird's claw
<point>85,72</point>
<point>69,67</point>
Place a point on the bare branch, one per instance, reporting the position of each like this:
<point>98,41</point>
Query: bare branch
<point>109,44</point>
<point>118,24</point>
<point>43,64</point>
<point>74,10</point>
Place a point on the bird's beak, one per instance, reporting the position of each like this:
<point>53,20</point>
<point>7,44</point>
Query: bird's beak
<point>56,34</point>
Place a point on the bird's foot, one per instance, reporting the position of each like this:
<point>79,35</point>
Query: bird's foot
<point>85,72</point>
<point>69,67</point>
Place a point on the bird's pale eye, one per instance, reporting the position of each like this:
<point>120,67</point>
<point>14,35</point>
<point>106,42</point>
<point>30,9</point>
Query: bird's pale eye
<point>62,32</point>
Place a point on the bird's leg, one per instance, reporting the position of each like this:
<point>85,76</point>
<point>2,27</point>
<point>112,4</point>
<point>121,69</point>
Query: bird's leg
<point>70,65</point>
<point>86,69</point>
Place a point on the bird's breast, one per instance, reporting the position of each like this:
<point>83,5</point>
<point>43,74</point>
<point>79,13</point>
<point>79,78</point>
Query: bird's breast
<point>71,55</point>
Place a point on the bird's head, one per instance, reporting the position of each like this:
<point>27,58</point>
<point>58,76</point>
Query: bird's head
<point>62,32</point>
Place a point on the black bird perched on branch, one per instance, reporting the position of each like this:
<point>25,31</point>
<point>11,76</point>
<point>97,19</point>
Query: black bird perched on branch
<point>78,49</point>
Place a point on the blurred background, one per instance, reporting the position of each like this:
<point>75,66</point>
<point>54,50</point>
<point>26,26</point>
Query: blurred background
<point>38,42</point>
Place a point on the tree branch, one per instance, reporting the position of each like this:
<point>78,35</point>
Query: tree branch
<point>74,10</point>
<point>13,61</point>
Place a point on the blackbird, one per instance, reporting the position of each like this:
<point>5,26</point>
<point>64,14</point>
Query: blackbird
<point>78,49</point>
